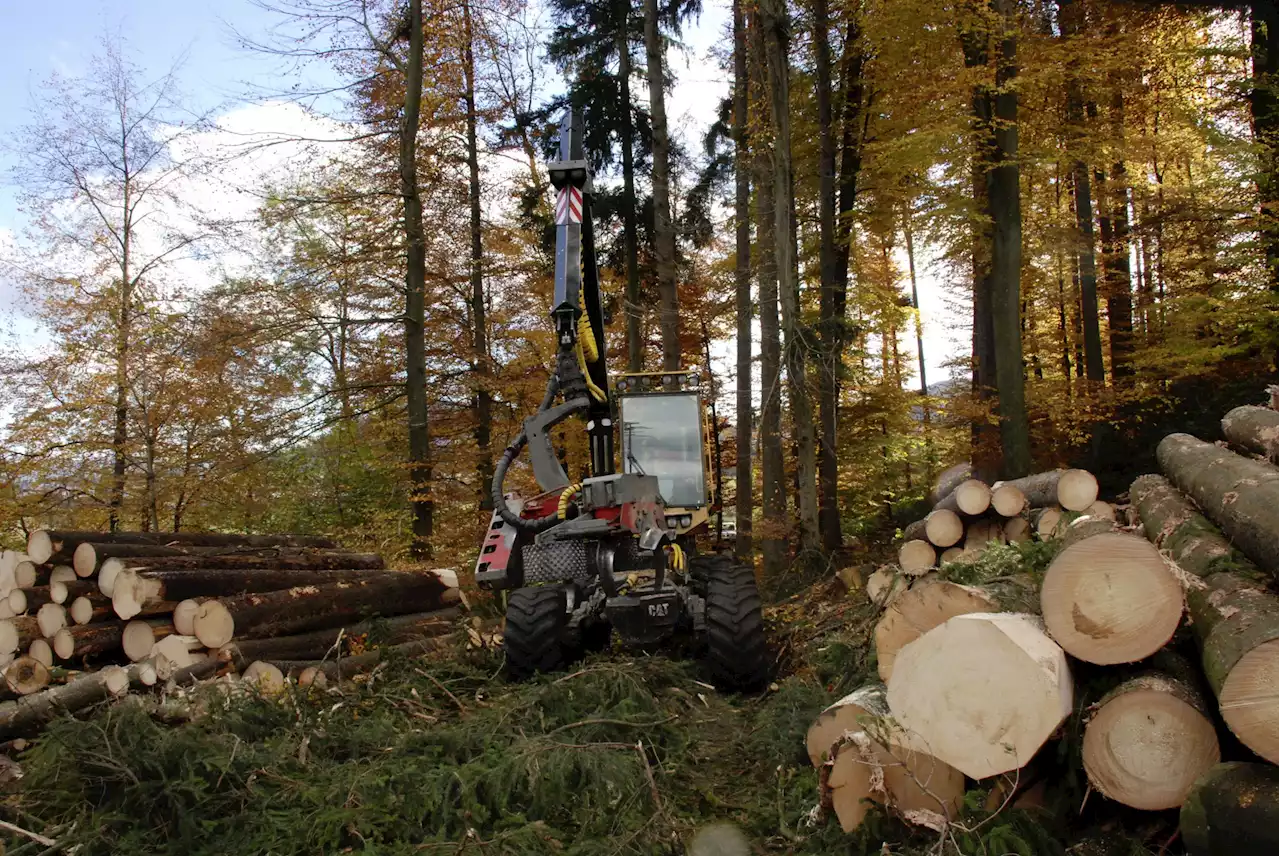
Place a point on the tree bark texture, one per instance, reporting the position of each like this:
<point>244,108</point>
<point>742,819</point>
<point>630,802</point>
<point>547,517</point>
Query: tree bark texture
<point>772,471</point>
<point>744,484</point>
<point>775,21</point>
<point>323,644</point>
<point>1232,810</point>
<point>1239,494</point>
<point>421,502</point>
<point>1006,255</point>
<point>1254,429</point>
<point>829,371</point>
<point>479,315</point>
<point>630,239</point>
<point>297,610</point>
<point>181,584</point>
<point>664,234</point>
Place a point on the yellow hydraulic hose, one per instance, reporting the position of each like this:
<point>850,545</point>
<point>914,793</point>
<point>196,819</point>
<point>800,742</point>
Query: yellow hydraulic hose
<point>563,507</point>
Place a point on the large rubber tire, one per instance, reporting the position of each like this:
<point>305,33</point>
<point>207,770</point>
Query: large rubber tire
<point>533,638</point>
<point>737,654</point>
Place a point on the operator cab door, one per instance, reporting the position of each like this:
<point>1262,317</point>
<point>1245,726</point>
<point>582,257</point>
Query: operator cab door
<point>662,437</point>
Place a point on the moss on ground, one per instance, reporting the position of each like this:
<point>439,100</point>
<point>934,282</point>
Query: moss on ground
<point>619,755</point>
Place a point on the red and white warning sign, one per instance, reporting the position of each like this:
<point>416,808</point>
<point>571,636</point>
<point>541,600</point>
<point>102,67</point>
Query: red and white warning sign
<point>569,205</point>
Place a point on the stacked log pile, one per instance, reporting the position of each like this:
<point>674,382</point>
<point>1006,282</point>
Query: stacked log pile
<point>978,677</point>
<point>84,616</point>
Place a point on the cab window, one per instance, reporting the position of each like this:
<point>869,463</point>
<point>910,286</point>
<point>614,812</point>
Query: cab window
<point>661,436</point>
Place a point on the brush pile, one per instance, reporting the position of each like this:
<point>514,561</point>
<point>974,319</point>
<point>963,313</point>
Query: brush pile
<point>85,616</point>
<point>989,653</point>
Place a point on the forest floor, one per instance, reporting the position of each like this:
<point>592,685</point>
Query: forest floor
<point>617,755</point>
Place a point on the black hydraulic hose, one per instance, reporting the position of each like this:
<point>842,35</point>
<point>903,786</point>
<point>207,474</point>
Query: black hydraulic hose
<point>509,454</point>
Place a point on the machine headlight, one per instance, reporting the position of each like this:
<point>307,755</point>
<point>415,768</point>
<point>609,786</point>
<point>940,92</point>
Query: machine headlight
<point>673,522</point>
<point>686,519</point>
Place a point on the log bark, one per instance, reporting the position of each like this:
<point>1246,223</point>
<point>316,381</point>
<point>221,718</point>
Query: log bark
<point>848,714</point>
<point>93,638</point>
<point>1232,810</point>
<point>1172,523</point>
<point>320,644</point>
<point>89,557</point>
<point>916,531</point>
<point>348,666</point>
<point>29,712</point>
<point>948,480</point>
<point>1109,597</point>
<point>1254,429</point>
<point>1040,489</point>
<point>44,545</point>
<point>182,584</point>
<point>1147,742</point>
<point>1239,494</point>
<point>983,691</point>
<point>297,610</point>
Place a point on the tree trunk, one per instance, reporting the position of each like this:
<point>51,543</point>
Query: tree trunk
<point>1232,810</point>
<point>29,712</point>
<point>348,666</point>
<point>1147,741</point>
<point>325,644</point>
<point>57,546</point>
<point>974,41</point>
<point>743,474</point>
<point>1254,429</point>
<point>772,471</point>
<point>420,499</point>
<point>1108,597</point>
<point>1006,255</point>
<point>828,375</point>
<point>1264,22</point>
<point>630,240</point>
<point>989,727</point>
<point>1071,16</point>
<point>297,610</point>
<point>776,25</point>
<point>664,235</point>
<point>1236,493</point>
<point>479,320</point>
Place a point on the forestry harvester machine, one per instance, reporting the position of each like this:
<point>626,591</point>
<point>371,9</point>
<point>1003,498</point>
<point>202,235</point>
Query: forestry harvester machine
<point>615,552</point>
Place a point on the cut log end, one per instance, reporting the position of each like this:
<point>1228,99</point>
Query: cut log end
<point>1250,700</point>
<point>26,675</point>
<point>84,561</point>
<point>62,574</point>
<point>916,557</point>
<point>1017,530</point>
<point>847,714</point>
<point>25,574</point>
<point>213,624</point>
<point>9,639</point>
<point>40,546</point>
<point>983,692</point>
<point>115,679</point>
<point>184,617</point>
<point>1008,501</point>
<point>268,678</point>
<point>81,611</point>
<point>920,610</point>
<point>892,775</point>
<point>107,574</point>
<point>1077,490</point>
<point>145,673</point>
<point>884,585</point>
<point>137,640</point>
<point>943,528</point>
<point>42,652</point>
<point>313,676</point>
<point>1110,599</point>
<point>64,644</point>
<point>17,601</point>
<point>973,497</point>
<point>1046,522</point>
<point>1147,743</point>
<point>51,618</point>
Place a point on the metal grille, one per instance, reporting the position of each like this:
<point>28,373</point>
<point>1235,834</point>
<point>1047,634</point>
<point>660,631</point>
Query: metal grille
<point>556,562</point>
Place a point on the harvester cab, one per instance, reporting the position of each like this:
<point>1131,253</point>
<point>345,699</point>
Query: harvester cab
<point>613,554</point>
